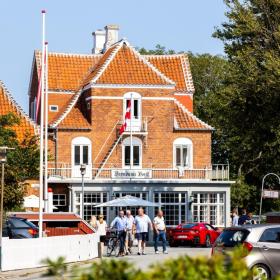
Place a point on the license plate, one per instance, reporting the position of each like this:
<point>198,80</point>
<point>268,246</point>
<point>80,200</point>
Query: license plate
<point>182,237</point>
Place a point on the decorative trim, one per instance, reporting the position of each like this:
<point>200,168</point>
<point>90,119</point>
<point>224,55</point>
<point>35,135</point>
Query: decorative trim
<point>61,92</point>
<point>18,107</point>
<point>89,86</point>
<point>208,127</point>
<point>187,73</point>
<point>121,98</point>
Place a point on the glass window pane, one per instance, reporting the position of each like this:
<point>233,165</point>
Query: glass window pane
<point>127,155</point>
<point>178,156</point>
<point>135,108</point>
<point>185,156</point>
<point>136,155</point>
<point>77,155</point>
<point>271,235</point>
<point>85,154</point>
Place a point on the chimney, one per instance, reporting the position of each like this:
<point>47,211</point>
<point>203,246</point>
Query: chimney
<point>99,37</point>
<point>112,35</point>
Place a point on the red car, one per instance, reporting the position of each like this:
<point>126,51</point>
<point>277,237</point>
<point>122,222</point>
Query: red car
<point>193,233</point>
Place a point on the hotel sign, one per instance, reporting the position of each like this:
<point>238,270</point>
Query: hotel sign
<point>270,194</point>
<point>131,174</point>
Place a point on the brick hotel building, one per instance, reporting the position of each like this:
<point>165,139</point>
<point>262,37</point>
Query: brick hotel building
<point>170,159</point>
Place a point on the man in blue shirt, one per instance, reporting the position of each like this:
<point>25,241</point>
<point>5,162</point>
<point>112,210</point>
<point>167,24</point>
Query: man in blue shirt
<point>120,224</point>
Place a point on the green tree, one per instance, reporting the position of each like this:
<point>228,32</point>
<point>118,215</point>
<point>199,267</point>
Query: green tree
<point>22,163</point>
<point>250,101</point>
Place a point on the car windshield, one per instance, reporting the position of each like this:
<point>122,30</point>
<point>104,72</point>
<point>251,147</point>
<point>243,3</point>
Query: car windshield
<point>189,225</point>
<point>231,238</point>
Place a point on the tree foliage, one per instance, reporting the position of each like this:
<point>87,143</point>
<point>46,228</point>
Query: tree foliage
<point>22,162</point>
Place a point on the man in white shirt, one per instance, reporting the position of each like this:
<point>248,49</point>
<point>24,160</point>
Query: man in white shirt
<point>129,231</point>
<point>159,231</point>
<point>142,222</point>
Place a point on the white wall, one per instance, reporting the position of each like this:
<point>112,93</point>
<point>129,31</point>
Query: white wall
<point>29,253</point>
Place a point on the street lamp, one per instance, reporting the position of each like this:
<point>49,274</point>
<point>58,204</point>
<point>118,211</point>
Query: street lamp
<point>3,160</point>
<point>83,172</point>
<point>268,174</point>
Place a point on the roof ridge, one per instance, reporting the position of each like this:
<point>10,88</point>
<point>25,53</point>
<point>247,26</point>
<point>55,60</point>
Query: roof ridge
<point>180,105</point>
<point>187,73</point>
<point>164,55</point>
<point>17,106</point>
<point>71,54</point>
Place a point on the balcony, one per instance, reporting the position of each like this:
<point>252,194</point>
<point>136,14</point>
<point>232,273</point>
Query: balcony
<point>216,172</point>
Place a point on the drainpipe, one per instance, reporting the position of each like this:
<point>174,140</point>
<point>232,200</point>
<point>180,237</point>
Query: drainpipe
<point>55,153</point>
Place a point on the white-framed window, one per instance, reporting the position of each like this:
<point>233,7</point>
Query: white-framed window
<point>81,149</point>
<point>174,206</point>
<point>183,153</point>
<point>135,106</point>
<point>53,108</point>
<point>209,208</point>
<point>90,200</point>
<point>59,199</point>
<point>88,105</point>
<point>136,156</point>
<point>33,106</point>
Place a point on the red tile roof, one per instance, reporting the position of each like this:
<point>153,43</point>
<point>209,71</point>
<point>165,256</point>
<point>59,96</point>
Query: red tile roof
<point>8,105</point>
<point>185,120</point>
<point>67,71</point>
<point>176,67</point>
<point>122,65</point>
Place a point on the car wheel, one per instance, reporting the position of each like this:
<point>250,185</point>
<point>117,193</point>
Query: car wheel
<point>261,272</point>
<point>207,241</point>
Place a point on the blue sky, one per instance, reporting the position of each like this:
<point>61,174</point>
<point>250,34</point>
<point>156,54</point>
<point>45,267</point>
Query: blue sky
<point>178,24</point>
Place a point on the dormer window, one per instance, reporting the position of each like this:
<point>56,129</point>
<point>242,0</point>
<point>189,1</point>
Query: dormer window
<point>53,108</point>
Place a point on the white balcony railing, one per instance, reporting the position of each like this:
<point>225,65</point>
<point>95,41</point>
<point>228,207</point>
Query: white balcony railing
<point>219,172</point>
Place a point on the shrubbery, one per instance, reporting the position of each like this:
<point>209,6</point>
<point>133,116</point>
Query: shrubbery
<point>230,267</point>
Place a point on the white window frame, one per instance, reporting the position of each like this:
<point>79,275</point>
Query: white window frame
<point>59,199</point>
<point>135,142</point>
<point>81,141</point>
<point>134,96</point>
<point>220,215</point>
<point>181,142</point>
<point>51,108</point>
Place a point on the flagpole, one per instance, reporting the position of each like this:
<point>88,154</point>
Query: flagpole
<point>131,116</point>
<point>42,129</point>
<point>46,132</point>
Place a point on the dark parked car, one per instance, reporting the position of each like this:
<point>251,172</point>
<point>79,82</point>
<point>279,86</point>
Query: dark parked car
<point>193,233</point>
<point>17,228</point>
<point>262,244</point>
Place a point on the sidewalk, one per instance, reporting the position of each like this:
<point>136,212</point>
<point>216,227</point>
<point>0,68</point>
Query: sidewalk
<point>141,262</point>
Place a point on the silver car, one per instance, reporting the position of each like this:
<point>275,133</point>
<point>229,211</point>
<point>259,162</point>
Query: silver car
<point>262,242</point>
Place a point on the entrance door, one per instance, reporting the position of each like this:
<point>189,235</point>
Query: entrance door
<point>81,154</point>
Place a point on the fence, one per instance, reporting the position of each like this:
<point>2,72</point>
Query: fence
<point>29,253</point>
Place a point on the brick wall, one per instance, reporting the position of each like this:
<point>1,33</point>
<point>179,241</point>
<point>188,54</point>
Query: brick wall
<point>157,146</point>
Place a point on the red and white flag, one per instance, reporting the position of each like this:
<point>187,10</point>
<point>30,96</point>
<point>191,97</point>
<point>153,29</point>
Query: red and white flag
<point>126,117</point>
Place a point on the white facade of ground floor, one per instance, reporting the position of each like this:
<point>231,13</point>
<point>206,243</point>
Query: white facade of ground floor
<point>181,202</point>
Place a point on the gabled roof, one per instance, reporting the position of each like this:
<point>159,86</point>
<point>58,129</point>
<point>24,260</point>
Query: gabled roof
<point>185,120</point>
<point>122,65</point>
<point>67,71</point>
<point>9,105</point>
<point>176,67</point>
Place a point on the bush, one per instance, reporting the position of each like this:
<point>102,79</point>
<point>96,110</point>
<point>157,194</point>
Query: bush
<point>229,267</point>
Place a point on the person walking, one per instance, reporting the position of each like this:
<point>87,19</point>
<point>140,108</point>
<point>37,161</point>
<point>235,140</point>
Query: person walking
<point>129,231</point>
<point>142,222</point>
<point>159,232</point>
<point>235,218</point>
<point>101,226</point>
<point>119,223</point>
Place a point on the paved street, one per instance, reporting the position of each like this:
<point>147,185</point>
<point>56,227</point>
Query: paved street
<point>142,262</point>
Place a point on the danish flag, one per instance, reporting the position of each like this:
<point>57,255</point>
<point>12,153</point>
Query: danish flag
<point>126,117</point>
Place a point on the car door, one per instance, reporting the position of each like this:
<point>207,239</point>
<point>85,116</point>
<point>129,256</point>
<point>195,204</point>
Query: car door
<point>269,245</point>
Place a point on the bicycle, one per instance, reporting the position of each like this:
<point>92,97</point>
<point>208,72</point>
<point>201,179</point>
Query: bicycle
<point>113,244</point>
